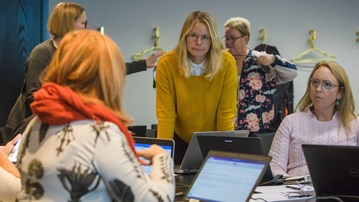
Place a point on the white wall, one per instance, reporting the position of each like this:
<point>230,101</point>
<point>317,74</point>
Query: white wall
<point>130,23</point>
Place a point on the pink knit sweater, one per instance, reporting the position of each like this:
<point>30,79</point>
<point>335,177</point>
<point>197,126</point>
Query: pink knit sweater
<point>304,128</point>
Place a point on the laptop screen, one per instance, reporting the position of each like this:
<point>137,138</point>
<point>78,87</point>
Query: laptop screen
<point>144,143</point>
<point>226,176</point>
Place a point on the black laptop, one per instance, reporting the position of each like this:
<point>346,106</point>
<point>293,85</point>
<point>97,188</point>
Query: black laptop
<point>193,158</point>
<point>227,176</point>
<point>248,145</point>
<point>334,170</point>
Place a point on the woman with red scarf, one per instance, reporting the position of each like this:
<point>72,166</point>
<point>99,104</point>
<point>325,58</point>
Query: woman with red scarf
<point>78,148</point>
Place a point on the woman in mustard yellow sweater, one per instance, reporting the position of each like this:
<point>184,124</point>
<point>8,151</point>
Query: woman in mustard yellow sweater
<point>196,84</point>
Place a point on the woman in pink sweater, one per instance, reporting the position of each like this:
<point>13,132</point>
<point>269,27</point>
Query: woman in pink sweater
<point>327,116</point>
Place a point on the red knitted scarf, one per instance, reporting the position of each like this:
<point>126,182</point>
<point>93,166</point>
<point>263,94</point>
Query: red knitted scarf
<point>58,105</point>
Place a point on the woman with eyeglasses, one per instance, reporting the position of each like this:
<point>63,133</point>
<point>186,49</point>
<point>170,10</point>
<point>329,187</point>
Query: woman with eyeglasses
<point>64,18</point>
<point>326,116</point>
<point>258,75</point>
<point>196,84</point>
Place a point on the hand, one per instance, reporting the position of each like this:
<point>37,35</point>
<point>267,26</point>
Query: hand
<point>11,144</point>
<point>149,153</point>
<point>151,61</point>
<point>265,60</point>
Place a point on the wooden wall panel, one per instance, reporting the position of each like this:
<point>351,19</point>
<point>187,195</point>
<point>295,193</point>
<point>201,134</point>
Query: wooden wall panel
<point>22,26</point>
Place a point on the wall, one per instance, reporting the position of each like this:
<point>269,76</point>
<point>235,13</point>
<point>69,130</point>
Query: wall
<point>130,23</point>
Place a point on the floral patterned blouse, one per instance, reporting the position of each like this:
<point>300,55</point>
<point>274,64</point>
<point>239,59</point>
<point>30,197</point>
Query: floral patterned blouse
<point>88,161</point>
<point>257,85</point>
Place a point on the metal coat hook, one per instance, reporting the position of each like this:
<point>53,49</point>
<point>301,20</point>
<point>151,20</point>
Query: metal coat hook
<point>312,37</point>
<point>262,35</point>
<point>156,35</point>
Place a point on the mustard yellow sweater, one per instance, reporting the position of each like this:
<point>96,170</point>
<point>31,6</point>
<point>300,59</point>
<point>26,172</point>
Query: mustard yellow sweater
<point>187,105</point>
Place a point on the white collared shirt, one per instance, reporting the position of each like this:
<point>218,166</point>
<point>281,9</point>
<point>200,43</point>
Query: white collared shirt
<point>197,69</point>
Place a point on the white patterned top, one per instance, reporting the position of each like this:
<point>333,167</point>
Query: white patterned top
<point>88,161</point>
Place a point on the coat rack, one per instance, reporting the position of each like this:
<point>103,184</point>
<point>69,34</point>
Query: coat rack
<point>142,55</point>
<point>311,56</point>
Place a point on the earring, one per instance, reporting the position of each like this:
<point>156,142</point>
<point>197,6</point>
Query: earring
<point>337,102</point>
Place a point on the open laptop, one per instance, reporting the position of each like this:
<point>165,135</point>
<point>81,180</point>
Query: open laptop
<point>248,145</point>
<point>193,157</point>
<point>138,130</point>
<point>227,176</point>
<point>334,170</point>
<point>145,142</point>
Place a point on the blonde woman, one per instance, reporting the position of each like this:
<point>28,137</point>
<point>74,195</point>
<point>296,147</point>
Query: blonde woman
<point>327,116</point>
<point>196,84</point>
<point>78,147</point>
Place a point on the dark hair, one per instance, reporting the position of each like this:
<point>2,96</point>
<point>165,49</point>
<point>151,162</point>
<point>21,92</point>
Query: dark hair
<point>267,48</point>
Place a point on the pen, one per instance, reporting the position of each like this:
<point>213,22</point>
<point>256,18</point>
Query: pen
<point>179,194</point>
<point>299,196</point>
<point>293,187</point>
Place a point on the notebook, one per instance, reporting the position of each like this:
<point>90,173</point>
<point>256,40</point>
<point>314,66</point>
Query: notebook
<point>334,169</point>
<point>193,157</point>
<point>227,176</point>
<point>248,145</point>
<point>145,142</point>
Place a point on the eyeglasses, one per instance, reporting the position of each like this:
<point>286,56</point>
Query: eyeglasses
<point>195,37</point>
<point>324,83</point>
<point>231,39</point>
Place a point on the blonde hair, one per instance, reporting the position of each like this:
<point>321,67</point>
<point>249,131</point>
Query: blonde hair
<point>346,106</point>
<point>213,62</point>
<point>241,24</point>
<point>92,65</point>
<point>62,18</point>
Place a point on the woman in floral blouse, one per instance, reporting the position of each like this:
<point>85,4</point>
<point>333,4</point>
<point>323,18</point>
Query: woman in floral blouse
<point>258,75</point>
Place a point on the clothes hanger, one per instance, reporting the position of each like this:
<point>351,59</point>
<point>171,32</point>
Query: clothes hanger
<point>143,54</point>
<point>312,55</point>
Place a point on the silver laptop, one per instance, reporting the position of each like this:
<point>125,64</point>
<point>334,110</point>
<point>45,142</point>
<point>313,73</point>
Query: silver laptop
<point>228,176</point>
<point>193,157</point>
<point>145,142</point>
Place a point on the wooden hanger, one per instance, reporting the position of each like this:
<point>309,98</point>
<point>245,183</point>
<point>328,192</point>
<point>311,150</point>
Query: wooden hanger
<point>143,54</point>
<point>312,55</point>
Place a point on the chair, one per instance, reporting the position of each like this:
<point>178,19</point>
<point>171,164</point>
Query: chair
<point>267,139</point>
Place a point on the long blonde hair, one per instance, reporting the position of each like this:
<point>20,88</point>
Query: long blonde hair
<point>346,106</point>
<point>213,61</point>
<point>92,65</point>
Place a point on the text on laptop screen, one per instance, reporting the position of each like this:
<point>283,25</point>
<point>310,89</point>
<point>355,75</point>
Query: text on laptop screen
<point>141,146</point>
<point>226,179</point>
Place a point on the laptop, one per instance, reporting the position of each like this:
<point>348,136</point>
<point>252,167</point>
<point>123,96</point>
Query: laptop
<point>145,142</point>
<point>193,157</point>
<point>248,145</point>
<point>227,176</point>
<point>334,170</point>
<point>138,130</point>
